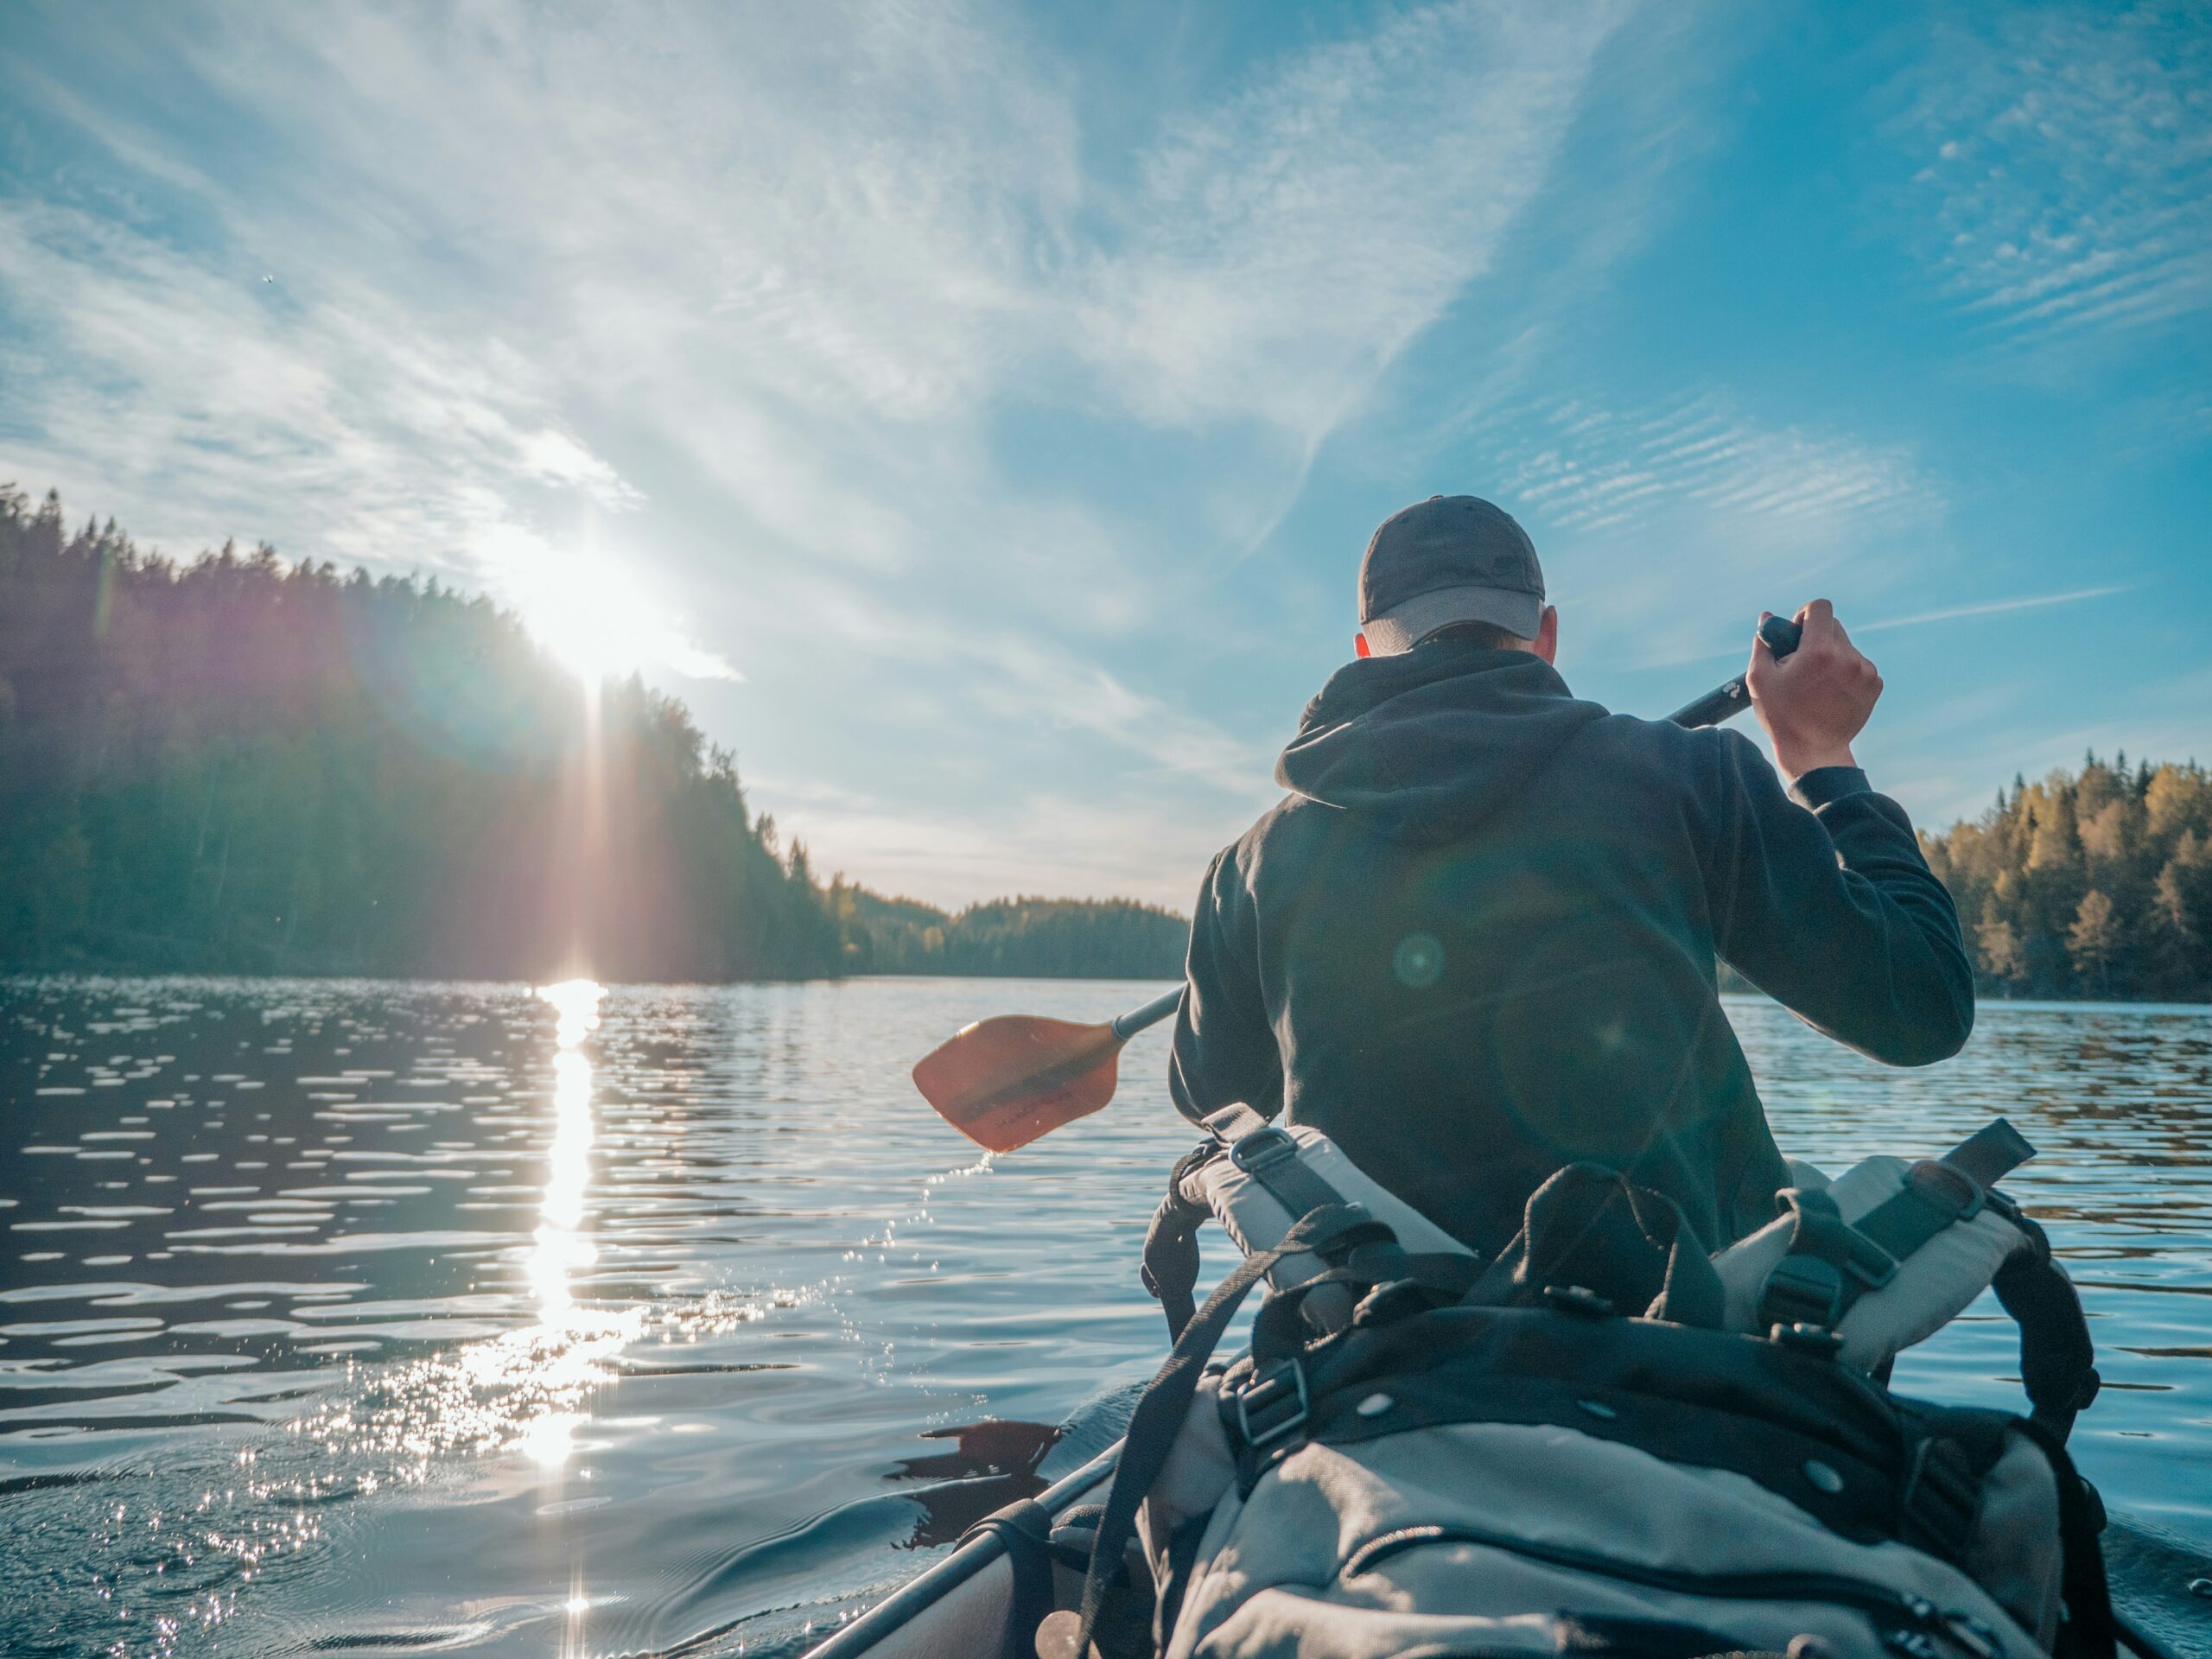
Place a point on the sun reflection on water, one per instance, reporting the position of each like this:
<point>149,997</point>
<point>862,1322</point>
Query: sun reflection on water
<point>527,1391</point>
<point>571,1345</point>
<point>561,1246</point>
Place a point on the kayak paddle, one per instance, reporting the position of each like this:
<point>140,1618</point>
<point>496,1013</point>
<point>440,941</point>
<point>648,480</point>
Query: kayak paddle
<point>1004,1081</point>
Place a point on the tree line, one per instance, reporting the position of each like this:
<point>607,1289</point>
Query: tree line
<point>239,764</point>
<point>1043,939</point>
<point>236,764</point>
<point>2090,884</point>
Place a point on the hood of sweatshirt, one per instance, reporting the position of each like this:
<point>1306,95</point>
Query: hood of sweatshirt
<point>1429,743</point>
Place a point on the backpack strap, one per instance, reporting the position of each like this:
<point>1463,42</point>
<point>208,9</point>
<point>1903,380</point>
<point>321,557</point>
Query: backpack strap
<point>1831,1263</point>
<point>1269,1156</point>
<point>1812,1284</point>
<point>1232,1123</point>
<point>2057,1358</point>
<point>1170,1268</point>
<point>1330,1232</point>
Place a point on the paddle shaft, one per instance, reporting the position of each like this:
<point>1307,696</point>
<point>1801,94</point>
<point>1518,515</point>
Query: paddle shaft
<point>1151,1014</point>
<point>1723,703</point>
<point>1728,700</point>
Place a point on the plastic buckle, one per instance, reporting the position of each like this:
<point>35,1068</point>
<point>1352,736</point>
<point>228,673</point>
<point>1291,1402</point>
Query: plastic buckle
<point>1947,1187</point>
<point>1262,1148</point>
<point>1802,1290</point>
<point>1265,1394</point>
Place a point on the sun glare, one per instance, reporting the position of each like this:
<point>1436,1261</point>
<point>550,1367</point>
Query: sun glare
<point>594,622</point>
<point>598,616</point>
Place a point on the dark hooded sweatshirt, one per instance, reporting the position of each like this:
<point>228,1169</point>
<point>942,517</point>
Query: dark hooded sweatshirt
<point>1477,941</point>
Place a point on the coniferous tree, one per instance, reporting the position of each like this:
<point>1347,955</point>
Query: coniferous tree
<point>237,764</point>
<point>2094,883</point>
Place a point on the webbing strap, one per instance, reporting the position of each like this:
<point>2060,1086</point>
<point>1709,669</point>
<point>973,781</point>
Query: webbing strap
<point>1806,1287</point>
<point>1990,1153</point>
<point>1933,1196</point>
<point>1939,1498</point>
<point>1233,1124</point>
<point>1269,1156</point>
<point>1941,1191</point>
<point>1831,1264</point>
<point>1170,1265</point>
<point>1165,1402</point>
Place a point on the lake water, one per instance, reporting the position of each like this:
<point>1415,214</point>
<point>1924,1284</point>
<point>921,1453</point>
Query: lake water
<point>408,1318</point>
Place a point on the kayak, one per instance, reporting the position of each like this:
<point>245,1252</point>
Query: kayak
<point>968,1604</point>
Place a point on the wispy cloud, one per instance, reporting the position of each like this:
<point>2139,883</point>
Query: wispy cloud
<point>1986,607</point>
<point>1992,607</point>
<point>808,258</point>
<point>1582,466</point>
<point>1283,249</point>
<point>2067,154</point>
<point>196,402</point>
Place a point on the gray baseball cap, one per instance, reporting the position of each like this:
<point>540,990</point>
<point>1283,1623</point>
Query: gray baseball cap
<point>1451,558</point>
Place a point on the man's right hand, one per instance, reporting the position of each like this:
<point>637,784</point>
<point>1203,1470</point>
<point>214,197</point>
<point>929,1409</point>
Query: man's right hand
<point>1815,700</point>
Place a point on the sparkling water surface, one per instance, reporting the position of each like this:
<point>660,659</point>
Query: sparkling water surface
<point>409,1318</point>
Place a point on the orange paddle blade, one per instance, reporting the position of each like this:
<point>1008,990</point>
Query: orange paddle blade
<point>1004,1081</point>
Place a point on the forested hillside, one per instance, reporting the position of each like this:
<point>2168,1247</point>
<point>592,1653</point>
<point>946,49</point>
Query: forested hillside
<point>239,765</point>
<point>2092,884</point>
<point>1074,938</point>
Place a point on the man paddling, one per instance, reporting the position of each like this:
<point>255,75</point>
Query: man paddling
<point>1478,939</point>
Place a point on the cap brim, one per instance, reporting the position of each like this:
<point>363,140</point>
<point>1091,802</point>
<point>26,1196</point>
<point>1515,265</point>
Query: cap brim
<point>1403,626</point>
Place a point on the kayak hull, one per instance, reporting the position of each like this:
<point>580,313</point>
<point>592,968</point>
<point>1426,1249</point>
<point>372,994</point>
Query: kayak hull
<point>964,1605</point>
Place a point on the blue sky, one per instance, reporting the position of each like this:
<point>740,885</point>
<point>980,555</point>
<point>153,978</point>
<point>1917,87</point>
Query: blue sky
<point>976,413</point>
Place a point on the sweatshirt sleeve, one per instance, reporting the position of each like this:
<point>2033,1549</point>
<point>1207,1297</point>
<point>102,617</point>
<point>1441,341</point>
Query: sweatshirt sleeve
<point>1224,1049</point>
<point>1825,903</point>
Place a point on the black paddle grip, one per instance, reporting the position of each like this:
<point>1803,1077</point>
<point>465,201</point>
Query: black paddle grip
<point>1726,702</point>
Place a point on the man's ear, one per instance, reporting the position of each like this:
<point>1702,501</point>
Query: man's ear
<point>1359,645</point>
<point>1547,641</point>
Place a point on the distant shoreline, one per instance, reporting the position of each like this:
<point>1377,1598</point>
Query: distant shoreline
<point>19,975</point>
